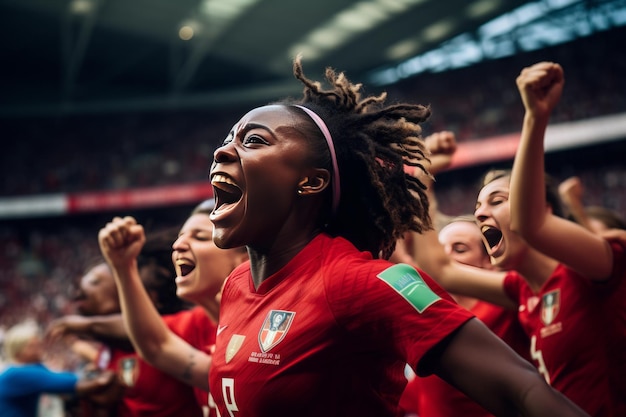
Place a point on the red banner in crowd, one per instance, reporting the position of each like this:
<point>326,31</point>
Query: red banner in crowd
<point>138,198</point>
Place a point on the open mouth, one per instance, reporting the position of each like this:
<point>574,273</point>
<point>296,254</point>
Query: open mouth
<point>492,235</point>
<point>226,191</point>
<point>184,267</point>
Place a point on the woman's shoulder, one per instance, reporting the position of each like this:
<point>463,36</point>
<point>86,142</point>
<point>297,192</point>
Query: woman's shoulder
<point>338,249</point>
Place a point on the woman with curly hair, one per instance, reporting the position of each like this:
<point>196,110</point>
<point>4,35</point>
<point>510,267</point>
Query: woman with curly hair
<point>316,191</point>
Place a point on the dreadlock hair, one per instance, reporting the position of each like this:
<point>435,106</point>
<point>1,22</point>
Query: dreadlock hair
<point>551,188</point>
<point>373,143</point>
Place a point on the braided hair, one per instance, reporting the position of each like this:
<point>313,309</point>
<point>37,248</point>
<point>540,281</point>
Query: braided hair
<point>373,142</point>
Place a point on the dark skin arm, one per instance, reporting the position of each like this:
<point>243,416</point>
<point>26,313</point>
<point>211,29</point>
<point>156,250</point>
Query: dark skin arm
<point>110,326</point>
<point>486,369</point>
<point>109,329</point>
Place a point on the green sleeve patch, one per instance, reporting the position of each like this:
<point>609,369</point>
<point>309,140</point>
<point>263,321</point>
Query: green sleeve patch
<point>409,284</point>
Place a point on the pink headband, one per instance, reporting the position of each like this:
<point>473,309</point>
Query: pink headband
<point>329,141</point>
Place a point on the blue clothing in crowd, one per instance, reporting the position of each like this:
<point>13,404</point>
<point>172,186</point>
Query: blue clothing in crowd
<point>22,385</point>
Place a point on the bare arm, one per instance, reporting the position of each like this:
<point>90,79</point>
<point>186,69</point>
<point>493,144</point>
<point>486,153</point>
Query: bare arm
<point>486,369</point>
<point>615,235</point>
<point>455,277</point>
<point>570,243</point>
<point>109,326</point>
<point>571,193</point>
<point>121,241</point>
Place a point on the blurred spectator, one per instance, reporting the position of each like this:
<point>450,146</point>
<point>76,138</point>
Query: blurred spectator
<point>26,377</point>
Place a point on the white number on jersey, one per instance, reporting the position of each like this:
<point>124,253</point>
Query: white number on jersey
<point>538,356</point>
<point>228,393</point>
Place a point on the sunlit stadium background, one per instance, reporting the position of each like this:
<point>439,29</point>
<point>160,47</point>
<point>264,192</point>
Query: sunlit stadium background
<point>114,107</point>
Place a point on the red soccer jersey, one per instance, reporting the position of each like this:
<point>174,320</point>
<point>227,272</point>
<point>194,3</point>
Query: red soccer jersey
<point>433,397</point>
<point>196,328</point>
<point>328,335</point>
<point>148,391</point>
<point>577,329</point>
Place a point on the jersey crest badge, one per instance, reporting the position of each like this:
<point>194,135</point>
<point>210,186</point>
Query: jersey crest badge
<point>128,371</point>
<point>234,344</point>
<point>275,328</point>
<point>410,285</point>
<point>551,303</point>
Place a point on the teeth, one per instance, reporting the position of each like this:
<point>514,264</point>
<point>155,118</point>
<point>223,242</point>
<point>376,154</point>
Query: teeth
<point>180,262</point>
<point>484,229</point>
<point>221,178</point>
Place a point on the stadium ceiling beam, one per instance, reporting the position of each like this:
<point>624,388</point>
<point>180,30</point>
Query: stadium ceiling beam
<point>190,66</point>
<point>235,97</point>
<point>75,47</point>
<point>210,20</point>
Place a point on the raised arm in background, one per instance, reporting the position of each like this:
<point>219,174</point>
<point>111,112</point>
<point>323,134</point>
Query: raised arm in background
<point>121,241</point>
<point>540,86</point>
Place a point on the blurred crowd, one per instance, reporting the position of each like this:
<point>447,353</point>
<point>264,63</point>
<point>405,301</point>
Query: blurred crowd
<point>116,151</point>
<point>36,270</point>
<point>482,101</point>
<point>108,152</point>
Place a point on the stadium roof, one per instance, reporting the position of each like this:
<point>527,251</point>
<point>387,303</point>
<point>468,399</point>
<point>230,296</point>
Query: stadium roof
<point>65,56</point>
